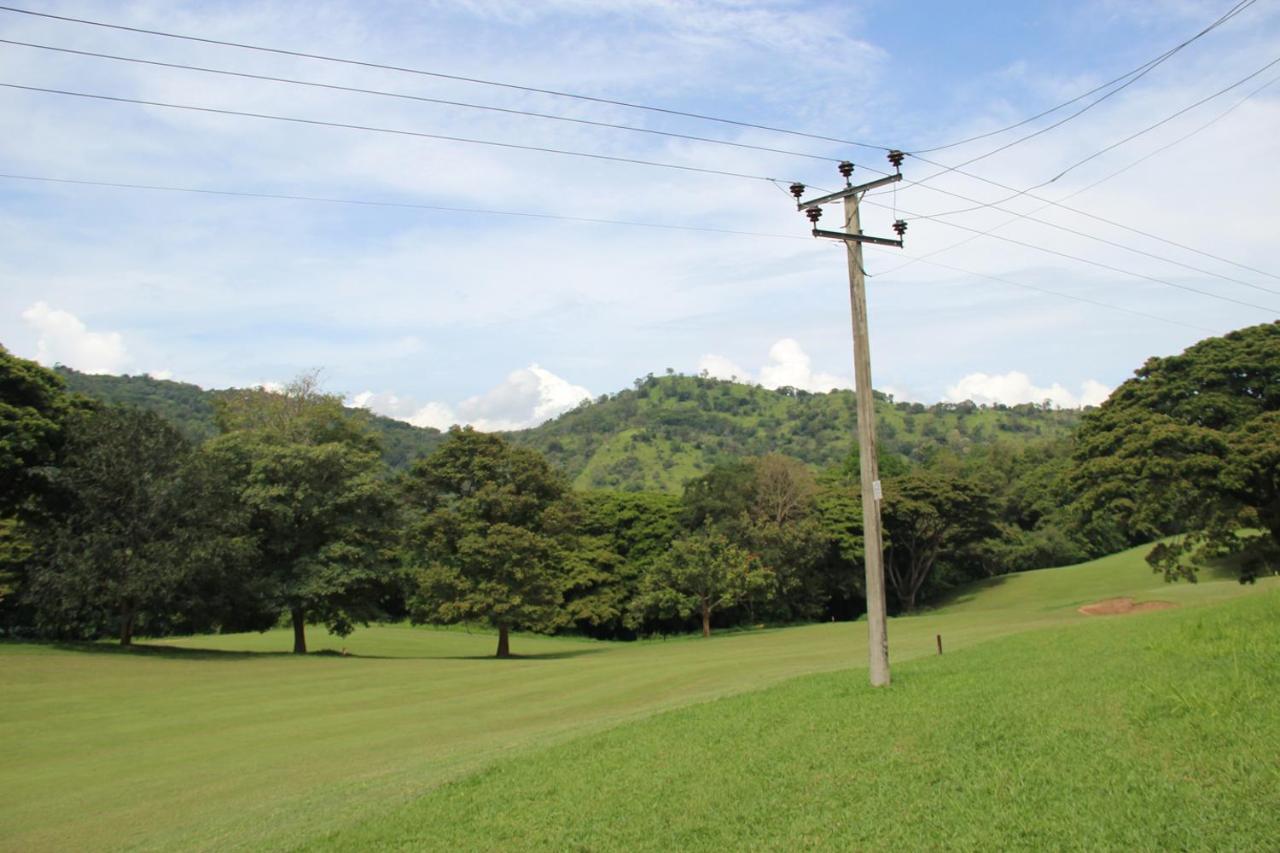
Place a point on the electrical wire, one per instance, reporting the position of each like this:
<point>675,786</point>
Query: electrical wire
<point>1136,74</point>
<point>377,203</point>
<point>627,104</point>
<point>395,131</point>
<point>392,204</point>
<point>442,76</point>
<point>1030,216</point>
<point>419,98</point>
<point>1025,286</point>
<point>1093,263</point>
<point>1106,149</point>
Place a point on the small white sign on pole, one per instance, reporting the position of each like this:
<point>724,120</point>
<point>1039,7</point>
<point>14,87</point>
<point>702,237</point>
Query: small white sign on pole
<point>875,490</point>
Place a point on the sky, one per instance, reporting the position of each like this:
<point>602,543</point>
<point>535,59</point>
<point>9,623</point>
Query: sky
<point>496,313</point>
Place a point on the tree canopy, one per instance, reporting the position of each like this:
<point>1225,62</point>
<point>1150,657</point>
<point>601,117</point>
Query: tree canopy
<point>486,536</point>
<point>1187,447</point>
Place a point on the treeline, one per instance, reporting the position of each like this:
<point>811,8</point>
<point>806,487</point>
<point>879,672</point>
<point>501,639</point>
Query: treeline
<point>114,523</point>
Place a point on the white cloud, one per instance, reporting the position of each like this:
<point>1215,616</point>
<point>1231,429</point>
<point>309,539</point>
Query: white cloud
<point>526,398</point>
<point>789,365</point>
<point>722,368</point>
<point>64,339</point>
<point>1016,387</point>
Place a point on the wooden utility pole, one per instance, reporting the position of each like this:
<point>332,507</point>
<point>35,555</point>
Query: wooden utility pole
<point>868,459</point>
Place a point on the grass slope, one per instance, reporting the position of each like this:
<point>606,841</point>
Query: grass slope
<point>225,742</point>
<point>1152,732</point>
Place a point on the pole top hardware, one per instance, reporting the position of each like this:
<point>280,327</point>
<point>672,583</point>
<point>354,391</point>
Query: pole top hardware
<point>900,226</point>
<point>846,170</point>
<point>896,157</point>
<point>814,214</point>
<point>797,190</point>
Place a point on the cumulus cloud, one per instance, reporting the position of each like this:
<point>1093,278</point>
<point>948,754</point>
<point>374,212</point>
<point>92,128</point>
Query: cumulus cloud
<point>526,398</point>
<point>64,339</point>
<point>789,365</point>
<point>722,368</point>
<point>1016,387</point>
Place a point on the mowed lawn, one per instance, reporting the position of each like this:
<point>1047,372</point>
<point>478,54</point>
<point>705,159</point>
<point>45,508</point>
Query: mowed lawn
<point>1160,732</point>
<point>226,742</point>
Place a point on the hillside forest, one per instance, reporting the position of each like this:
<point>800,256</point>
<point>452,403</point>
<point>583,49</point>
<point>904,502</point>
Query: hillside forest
<point>137,507</point>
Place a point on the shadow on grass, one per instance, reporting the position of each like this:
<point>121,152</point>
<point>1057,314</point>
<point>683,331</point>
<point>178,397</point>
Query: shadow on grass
<point>167,652</point>
<point>157,651</point>
<point>576,653</point>
<point>966,593</point>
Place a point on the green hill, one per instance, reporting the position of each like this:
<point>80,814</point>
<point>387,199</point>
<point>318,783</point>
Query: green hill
<point>191,409</point>
<point>666,429</point>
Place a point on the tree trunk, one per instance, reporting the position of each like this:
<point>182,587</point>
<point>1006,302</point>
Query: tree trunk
<point>504,642</point>
<point>299,632</point>
<point>126,629</point>
<point>706,619</point>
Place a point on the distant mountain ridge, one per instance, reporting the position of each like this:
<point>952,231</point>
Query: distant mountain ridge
<point>665,429</point>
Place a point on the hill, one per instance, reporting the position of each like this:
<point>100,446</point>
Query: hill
<point>113,748</point>
<point>668,429</point>
<point>665,429</point>
<point>191,409</point>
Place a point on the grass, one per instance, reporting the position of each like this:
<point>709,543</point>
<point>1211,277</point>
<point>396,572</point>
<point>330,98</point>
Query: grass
<point>225,742</point>
<point>1153,732</point>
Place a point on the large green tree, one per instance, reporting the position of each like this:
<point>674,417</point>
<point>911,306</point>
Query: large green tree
<point>490,525</point>
<point>931,519</point>
<point>33,408</point>
<point>319,506</point>
<point>127,535</point>
<point>701,574</point>
<point>1186,448</point>
<point>619,534</point>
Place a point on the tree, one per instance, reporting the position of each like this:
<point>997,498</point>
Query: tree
<point>488,535</point>
<point>701,574</point>
<point>618,535</point>
<point>929,514</point>
<point>34,406</point>
<point>321,511</point>
<point>784,489</point>
<point>115,558</point>
<point>1186,448</point>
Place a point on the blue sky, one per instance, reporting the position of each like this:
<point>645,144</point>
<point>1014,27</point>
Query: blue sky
<point>500,321</point>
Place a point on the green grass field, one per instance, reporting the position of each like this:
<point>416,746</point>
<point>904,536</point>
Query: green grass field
<point>1155,729</point>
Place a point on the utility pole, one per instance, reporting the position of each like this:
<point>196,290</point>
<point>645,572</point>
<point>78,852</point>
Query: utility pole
<point>869,465</point>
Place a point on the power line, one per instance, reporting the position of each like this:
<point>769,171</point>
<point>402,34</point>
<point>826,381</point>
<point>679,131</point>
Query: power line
<point>631,105</point>
<point>419,98</point>
<point>395,131</point>
<point>1106,149</point>
<point>1136,74</point>
<point>1098,264</point>
<point>377,203</point>
<point>1085,299</point>
<point>442,76</point>
<point>393,204</point>
<point>1177,141</point>
<point>1031,217</point>
<point>1219,117</point>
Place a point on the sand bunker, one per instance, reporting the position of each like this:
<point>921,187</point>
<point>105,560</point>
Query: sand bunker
<point>1118,606</point>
